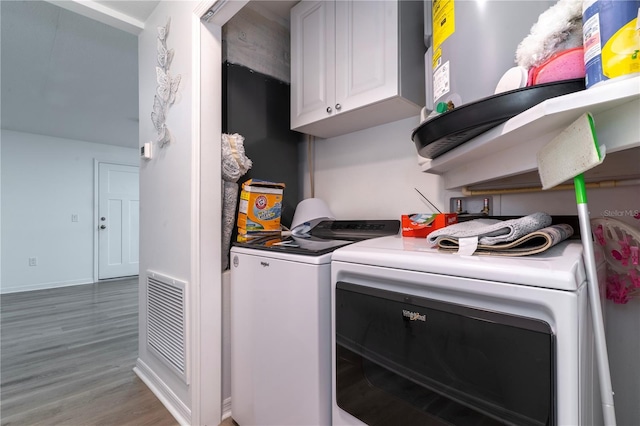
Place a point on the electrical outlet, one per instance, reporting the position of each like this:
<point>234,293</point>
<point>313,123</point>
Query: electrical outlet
<point>33,261</point>
<point>74,218</point>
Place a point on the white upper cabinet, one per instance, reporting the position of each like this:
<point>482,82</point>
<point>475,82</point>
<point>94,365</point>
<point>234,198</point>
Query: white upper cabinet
<point>355,64</point>
<point>366,53</point>
<point>312,61</point>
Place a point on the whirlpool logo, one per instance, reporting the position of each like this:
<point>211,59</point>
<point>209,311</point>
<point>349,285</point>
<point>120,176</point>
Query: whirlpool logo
<point>414,316</point>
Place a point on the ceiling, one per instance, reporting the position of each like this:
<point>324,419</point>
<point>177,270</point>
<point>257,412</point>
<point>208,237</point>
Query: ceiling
<point>69,76</point>
<point>140,10</point>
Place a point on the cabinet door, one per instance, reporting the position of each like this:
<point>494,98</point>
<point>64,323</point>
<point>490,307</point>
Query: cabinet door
<point>366,52</point>
<point>312,61</point>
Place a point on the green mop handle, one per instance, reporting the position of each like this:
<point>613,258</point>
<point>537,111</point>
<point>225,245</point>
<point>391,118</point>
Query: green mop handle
<point>602,359</point>
<point>581,190</point>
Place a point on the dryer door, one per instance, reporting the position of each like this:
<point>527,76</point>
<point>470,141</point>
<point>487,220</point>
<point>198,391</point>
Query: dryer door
<point>402,359</point>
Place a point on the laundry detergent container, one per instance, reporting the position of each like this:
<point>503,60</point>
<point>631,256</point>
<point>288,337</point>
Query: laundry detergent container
<point>472,44</point>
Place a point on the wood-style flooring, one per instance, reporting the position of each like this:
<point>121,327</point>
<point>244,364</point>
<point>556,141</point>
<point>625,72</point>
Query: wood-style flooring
<point>67,355</point>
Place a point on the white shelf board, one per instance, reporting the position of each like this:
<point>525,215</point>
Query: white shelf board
<point>511,147</point>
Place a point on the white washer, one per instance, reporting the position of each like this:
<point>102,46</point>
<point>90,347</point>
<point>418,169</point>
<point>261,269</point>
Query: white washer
<point>281,324</point>
<point>424,337</point>
<point>280,338</point>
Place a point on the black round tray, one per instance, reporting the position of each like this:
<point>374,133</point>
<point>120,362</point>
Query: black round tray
<point>452,128</point>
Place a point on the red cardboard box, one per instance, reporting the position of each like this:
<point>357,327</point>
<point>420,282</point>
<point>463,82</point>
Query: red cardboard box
<point>421,225</point>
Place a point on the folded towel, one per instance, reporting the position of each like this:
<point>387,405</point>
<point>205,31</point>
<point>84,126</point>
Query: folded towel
<point>492,231</point>
<point>532,243</point>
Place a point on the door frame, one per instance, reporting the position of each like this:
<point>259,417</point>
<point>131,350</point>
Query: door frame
<point>96,205</point>
<point>207,406</point>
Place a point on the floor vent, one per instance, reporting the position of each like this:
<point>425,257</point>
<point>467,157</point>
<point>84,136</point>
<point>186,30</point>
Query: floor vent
<point>166,324</point>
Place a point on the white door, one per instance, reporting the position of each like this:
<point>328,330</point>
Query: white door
<point>118,220</point>
<point>312,62</point>
<point>366,52</point>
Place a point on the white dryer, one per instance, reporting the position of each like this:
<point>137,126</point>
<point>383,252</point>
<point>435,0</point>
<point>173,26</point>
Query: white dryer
<point>424,337</point>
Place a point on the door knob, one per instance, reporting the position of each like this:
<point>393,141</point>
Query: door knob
<point>338,107</point>
<point>103,218</point>
<point>103,226</point>
<point>329,110</point>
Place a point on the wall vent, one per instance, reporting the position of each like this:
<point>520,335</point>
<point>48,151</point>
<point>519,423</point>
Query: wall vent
<point>166,324</point>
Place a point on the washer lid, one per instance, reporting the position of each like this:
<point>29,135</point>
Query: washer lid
<point>560,267</point>
<point>286,255</point>
<point>278,246</point>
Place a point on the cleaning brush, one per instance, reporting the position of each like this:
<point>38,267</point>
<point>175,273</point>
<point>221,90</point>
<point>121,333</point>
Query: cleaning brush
<point>574,151</point>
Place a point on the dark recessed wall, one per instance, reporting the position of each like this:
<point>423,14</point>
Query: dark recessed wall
<point>257,107</point>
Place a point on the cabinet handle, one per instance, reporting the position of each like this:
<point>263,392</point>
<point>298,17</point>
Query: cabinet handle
<point>338,106</point>
<point>329,110</point>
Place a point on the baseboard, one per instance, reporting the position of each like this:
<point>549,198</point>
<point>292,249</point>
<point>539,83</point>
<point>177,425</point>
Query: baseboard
<point>169,399</point>
<point>226,408</point>
<point>43,286</point>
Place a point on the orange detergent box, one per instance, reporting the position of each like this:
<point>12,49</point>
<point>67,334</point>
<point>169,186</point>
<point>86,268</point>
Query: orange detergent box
<point>260,207</point>
<point>422,224</point>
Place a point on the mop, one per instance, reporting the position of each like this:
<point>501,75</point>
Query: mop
<point>574,151</point>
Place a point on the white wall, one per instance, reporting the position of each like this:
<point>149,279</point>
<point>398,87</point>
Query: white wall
<point>371,174</point>
<point>166,186</point>
<point>181,204</point>
<point>44,181</point>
